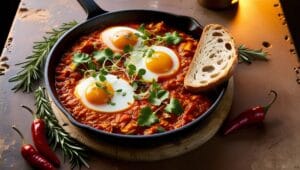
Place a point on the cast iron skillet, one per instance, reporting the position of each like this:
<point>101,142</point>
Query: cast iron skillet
<point>97,19</point>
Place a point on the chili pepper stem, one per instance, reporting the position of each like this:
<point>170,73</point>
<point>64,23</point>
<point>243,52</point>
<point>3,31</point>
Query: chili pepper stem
<point>267,107</point>
<point>30,110</point>
<point>19,132</point>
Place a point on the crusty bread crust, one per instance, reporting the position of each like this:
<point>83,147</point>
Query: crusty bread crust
<point>194,80</point>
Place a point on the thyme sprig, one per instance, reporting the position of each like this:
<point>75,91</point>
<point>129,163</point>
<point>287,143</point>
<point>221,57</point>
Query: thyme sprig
<point>249,55</point>
<point>32,68</point>
<point>74,151</point>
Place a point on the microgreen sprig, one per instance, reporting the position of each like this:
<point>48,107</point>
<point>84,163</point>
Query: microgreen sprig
<point>144,33</point>
<point>134,73</point>
<point>103,55</point>
<point>170,38</point>
<point>80,58</point>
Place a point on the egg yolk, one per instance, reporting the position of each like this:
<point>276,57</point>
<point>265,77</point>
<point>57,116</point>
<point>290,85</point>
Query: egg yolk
<point>124,37</point>
<point>159,62</point>
<point>99,95</point>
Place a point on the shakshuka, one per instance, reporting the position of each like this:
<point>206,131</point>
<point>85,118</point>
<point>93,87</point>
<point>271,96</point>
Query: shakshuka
<point>128,79</point>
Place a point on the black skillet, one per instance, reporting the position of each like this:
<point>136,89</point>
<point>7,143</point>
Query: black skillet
<point>97,19</point>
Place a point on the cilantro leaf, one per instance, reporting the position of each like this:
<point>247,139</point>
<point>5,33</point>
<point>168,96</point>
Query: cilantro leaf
<point>131,69</point>
<point>147,117</point>
<point>108,52</point>
<point>141,72</point>
<point>103,54</point>
<point>79,58</point>
<point>174,107</point>
<point>171,38</point>
<point>157,95</point>
<point>144,33</point>
<point>149,52</point>
<point>103,71</point>
<point>155,86</point>
<point>141,28</point>
<point>91,65</point>
<point>128,48</point>
<point>117,56</point>
<point>101,77</point>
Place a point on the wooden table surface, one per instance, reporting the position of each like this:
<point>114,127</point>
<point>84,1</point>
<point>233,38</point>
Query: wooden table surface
<point>276,145</point>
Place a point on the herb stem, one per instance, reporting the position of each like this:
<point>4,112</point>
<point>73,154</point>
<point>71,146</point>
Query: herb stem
<point>248,55</point>
<point>74,151</point>
<point>32,68</point>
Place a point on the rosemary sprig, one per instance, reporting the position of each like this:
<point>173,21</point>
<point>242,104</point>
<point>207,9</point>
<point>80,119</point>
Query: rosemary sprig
<point>74,151</point>
<point>248,55</point>
<point>32,67</point>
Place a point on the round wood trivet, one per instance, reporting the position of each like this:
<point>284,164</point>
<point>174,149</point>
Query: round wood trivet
<point>207,130</point>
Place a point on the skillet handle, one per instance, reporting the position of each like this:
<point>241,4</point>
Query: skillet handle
<point>91,8</point>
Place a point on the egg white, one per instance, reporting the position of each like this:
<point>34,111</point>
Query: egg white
<point>121,101</point>
<point>108,33</point>
<point>149,76</point>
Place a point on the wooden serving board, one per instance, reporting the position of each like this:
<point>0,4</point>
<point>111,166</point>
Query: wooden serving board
<point>168,150</point>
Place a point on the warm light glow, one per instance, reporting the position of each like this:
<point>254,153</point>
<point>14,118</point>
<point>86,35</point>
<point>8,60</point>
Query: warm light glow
<point>234,1</point>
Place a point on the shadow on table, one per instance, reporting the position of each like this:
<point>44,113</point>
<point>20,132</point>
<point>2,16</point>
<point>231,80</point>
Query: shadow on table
<point>7,13</point>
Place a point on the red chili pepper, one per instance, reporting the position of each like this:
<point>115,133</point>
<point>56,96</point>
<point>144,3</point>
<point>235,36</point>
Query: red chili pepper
<point>32,156</point>
<point>251,116</point>
<point>38,131</point>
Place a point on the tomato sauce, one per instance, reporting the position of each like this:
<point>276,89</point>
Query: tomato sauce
<point>125,122</point>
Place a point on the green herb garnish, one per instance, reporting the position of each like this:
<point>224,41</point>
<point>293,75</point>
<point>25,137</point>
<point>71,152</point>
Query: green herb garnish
<point>79,58</point>
<point>102,55</point>
<point>147,117</point>
<point>91,65</point>
<point>32,68</point>
<point>149,52</point>
<point>131,69</point>
<point>74,151</point>
<point>128,48</point>
<point>101,77</point>
<point>174,107</point>
<point>248,55</point>
<point>103,71</point>
<point>103,87</point>
<point>145,34</point>
<point>141,72</point>
<point>157,95</point>
<point>170,38</point>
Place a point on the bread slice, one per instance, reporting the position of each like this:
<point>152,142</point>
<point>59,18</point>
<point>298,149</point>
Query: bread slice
<point>214,60</point>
